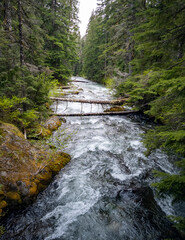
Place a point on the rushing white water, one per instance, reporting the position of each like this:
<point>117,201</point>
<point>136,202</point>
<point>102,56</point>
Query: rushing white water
<point>104,192</point>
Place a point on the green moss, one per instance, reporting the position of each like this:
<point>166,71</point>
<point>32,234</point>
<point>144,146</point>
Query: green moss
<point>45,176</point>
<point>25,160</point>
<point>10,127</point>
<point>33,189</point>
<point>14,197</point>
<point>3,204</point>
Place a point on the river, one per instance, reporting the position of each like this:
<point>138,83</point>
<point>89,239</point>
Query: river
<point>104,193</point>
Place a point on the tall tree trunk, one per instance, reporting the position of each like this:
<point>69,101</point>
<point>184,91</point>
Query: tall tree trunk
<point>21,52</point>
<point>180,52</point>
<point>54,5</point>
<point>21,49</point>
<point>131,42</point>
<point>7,16</point>
<point>8,31</point>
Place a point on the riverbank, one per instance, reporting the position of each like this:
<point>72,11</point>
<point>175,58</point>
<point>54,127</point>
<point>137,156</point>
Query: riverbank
<point>26,169</point>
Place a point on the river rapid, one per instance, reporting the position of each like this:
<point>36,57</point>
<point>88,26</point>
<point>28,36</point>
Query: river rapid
<point>104,193</point>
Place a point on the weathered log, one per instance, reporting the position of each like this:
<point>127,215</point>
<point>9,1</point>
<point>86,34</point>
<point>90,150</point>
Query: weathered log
<point>66,87</point>
<point>95,114</point>
<point>114,102</point>
<point>79,81</point>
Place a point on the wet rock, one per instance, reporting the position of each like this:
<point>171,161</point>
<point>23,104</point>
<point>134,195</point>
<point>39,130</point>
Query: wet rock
<point>53,123</point>
<point>140,200</point>
<point>25,169</point>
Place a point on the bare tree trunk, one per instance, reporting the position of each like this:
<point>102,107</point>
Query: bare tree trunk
<point>21,57</point>
<point>8,31</point>
<point>7,16</point>
<point>180,51</point>
<point>54,5</point>
<point>130,55</point>
<point>20,33</point>
<point>131,41</point>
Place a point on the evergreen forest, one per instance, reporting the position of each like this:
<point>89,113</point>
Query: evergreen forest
<point>135,47</point>
<point>37,51</point>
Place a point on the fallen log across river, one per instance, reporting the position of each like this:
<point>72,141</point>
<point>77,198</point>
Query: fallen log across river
<point>79,81</point>
<point>95,114</point>
<point>114,102</point>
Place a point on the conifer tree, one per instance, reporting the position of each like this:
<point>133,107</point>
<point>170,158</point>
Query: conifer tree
<point>34,36</point>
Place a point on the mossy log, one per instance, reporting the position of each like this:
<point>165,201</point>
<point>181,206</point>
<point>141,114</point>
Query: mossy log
<point>95,114</point>
<point>114,102</point>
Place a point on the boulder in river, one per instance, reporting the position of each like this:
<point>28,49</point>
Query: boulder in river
<point>25,169</point>
<point>53,123</point>
<point>115,109</point>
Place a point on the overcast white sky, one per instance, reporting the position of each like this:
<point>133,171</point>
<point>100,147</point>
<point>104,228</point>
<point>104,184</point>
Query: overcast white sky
<point>86,7</point>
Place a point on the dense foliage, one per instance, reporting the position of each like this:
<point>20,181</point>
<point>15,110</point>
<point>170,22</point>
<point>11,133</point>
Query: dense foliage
<point>37,47</point>
<point>138,47</point>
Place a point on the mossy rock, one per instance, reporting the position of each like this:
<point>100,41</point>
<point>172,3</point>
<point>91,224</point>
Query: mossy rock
<point>42,187</point>
<point>44,176</point>
<point>39,132</point>
<point>43,132</point>
<point>115,109</point>
<point>53,123</point>
<point>4,127</point>
<point>13,198</point>
<point>59,161</point>
<point>33,189</point>
<point>3,204</point>
<point>20,162</point>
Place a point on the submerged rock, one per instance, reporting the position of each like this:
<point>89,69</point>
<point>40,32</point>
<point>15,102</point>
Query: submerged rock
<point>25,170</point>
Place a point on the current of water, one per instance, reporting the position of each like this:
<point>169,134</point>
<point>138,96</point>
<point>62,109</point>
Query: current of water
<point>104,193</point>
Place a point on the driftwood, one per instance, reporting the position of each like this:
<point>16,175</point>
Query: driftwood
<point>95,114</point>
<point>114,102</point>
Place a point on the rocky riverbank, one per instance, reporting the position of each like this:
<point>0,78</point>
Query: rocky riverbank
<point>25,169</point>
